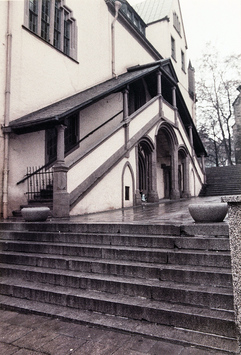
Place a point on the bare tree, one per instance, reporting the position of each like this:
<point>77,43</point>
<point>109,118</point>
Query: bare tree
<point>216,91</point>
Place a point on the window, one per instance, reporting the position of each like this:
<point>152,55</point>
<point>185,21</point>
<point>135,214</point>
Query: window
<point>57,25</point>
<point>33,15</point>
<point>134,19</point>
<point>173,48</point>
<point>127,193</point>
<point>176,23</point>
<point>71,138</point>
<point>183,61</point>
<point>45,17</point>
<point>53,22</point>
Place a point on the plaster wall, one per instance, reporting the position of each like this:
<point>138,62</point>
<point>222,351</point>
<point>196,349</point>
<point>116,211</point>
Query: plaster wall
<point>159,34</point>
<point>3,44</point>
<point>42,75</point>
<point>94,116</point>
<point>128,183</point>
<point>168,112</point>
<point>107,194</point>
<point>143,117</point>
<point>23,149</point>
<point>94,160</point>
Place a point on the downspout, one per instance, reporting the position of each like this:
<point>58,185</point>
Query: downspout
<point>7,113</point>
<point>117,7</point>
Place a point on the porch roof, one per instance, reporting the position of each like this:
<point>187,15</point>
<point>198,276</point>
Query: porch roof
<point>53,114</point>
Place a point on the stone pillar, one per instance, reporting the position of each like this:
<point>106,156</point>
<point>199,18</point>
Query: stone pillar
<point>234,219</point>
<point>159,92</point>
<point>175,193</point>
<point>152,193</point>
<point>186,187</point>
<point>191,137</point>
<point>60,170</point>
<point>174,103</point>
<point>203,167</point>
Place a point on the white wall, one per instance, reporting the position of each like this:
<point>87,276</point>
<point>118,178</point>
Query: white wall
<point>41,75</point>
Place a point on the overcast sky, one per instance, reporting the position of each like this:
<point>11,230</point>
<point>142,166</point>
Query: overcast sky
<point>215,21</point>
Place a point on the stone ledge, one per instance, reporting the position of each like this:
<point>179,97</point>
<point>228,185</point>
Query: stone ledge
<point>231,199</point>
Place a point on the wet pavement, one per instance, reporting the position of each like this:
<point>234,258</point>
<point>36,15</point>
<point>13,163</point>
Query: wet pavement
<point>166,211</point>
<point>30,334</point>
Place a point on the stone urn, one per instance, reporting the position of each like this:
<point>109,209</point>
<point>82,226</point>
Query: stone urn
<point>35,214</point>
<point>208,212</point>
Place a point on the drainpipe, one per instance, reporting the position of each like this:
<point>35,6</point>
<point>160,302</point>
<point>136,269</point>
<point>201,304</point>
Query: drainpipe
<point>117,7</point>
<point>7,113</point>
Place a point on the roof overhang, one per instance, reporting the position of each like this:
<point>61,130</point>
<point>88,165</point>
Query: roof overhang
<point>55,114</point>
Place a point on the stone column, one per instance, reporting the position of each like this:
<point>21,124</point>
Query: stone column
<point>203,167</point>
<point>152,193</point>
<point>175,193</point>
<point>174,103</point>
<point>159,92</point>
<point>234,219</point>
<point>191,137</point>
<point>60,170</point>
<point>186,187</point>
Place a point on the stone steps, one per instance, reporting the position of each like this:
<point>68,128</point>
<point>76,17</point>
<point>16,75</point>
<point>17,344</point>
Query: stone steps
<point>173,278</point>
<point>156,255</point>
<point>200,340</point>
<point>186,273</point>
<point>220,322</point>
<point>145,241</point>
<point>222,181</point>
<point>213,297</point>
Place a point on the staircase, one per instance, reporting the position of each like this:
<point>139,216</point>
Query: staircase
<point>162,281</point>
<point>222,181</point>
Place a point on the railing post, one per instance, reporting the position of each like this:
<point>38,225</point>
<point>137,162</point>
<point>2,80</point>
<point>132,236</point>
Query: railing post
<point>60,170</point>
<point>234,220</point>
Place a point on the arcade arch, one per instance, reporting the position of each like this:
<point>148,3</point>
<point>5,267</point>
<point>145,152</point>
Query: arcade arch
<point>167,162</point>
<point>146,174</point>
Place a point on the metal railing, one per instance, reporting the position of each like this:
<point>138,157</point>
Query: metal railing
<point>40,183</point>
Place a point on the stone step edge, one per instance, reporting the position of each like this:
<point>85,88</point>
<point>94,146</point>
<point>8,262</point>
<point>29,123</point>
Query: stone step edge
<point>203,312</point>
<point>118,228</point>
<point>120,247</point>
<point>103,227</point>
<point>224,345</point>
<point>161,267</point>
<point>113,235</point>
<point>227,291</point>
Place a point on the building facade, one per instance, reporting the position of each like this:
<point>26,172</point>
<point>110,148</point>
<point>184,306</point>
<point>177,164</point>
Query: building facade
<point>237,127</point>
<point>98,107</point>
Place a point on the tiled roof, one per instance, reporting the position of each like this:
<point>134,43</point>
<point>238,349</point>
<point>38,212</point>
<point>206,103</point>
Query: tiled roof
<point>51,114</point>
<point>153,10</point>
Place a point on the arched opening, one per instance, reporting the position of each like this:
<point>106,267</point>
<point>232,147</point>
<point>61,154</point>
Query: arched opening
<point>167,164</point>
<point>181,172</point>
<point>127,186</point>
<point>145,169</point>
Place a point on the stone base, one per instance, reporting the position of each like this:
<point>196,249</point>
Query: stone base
<point>35,214</point>
<point>61,205</point>
<point>208,212</point>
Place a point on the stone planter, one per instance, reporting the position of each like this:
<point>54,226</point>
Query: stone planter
<point>208,212</point>
<point>35,214</point>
